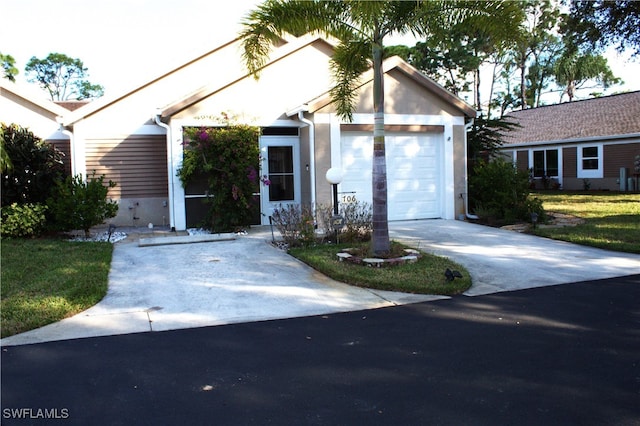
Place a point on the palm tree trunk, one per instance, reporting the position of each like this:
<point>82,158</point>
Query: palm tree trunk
<point>380,238</point>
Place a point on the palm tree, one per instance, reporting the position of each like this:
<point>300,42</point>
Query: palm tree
<point>360,28</point>
<point>573,70</point>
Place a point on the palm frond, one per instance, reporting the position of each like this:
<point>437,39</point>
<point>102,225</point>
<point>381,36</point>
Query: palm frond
<point>265,26</point>
<point>349,61</point>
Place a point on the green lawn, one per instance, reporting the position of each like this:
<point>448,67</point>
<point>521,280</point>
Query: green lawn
<point>46,280</point>
<point>612,218</point>
<point>426,276</point>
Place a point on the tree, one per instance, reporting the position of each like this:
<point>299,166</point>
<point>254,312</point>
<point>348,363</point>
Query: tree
<point>538,49</point>
<point>361,28</point>
<point>5,160</point>
<point>599,23</point>
<point>448,62</point>
<point>77,203</point>
<point>8,66</point>
<point>62,77</point>
<point>573,70</point>
<point>37,165</point>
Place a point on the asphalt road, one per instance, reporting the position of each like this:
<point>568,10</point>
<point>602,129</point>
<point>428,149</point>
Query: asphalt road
<point>558,355</point>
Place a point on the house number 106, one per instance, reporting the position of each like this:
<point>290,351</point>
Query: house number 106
<point>347,199</point>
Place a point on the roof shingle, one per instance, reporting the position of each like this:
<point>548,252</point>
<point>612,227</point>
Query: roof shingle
<point>605,116</point>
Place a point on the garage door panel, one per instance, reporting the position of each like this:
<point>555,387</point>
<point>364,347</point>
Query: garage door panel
<point>412,172</point>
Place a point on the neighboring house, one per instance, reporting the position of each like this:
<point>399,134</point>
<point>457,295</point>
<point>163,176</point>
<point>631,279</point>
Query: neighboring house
<point>136,139</point>
<point>25,107</point>
<point>579,145</point>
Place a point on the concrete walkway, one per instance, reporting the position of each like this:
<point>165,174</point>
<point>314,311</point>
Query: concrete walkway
<point>228,279</point>
<point>162,283</point>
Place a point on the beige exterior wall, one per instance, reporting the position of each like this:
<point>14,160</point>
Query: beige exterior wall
<point>411,107</point>
<point>281,87</point>
<point>459,171</point>
<point>15,109</point>
<point>323,163</point>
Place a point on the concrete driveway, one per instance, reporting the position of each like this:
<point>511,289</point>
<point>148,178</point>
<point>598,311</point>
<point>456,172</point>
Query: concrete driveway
<point>244,278</point>
<point>500,260</point>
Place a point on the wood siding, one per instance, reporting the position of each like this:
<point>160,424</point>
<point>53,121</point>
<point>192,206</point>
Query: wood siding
<point>617,156</point>
<point>570,162</point>
<point>138,164</point>
<point>522,160</point>
<point>416,128</point>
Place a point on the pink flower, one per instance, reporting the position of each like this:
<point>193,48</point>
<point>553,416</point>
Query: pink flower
<point>252,175</point>
<point>265,180</point>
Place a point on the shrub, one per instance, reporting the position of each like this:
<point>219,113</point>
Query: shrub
<point>80,204</point>
<point>358,221</point>
<point>499,193</point>
<point>228,159</point>
<point>23,220</point>
<point>35,166</point>
<point>296,224</point>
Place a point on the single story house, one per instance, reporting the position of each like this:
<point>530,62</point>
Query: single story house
<point>136,138</point>
<point>27,108</point>
<point>587,144</point>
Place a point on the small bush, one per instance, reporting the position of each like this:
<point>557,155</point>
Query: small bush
<point>35,166</point>
<point>358,221</point>
<point>79,204</point>
<point>499,193</point>
<point>23,220</point>
<point>296,223</point>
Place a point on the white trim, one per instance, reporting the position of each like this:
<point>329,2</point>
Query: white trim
<point>264,144</point>
<point>394,119</point>
<point>335,136</point>
<point>560,175</point>
<point>447,181</point>
<point>590,174</point>
<point>177,190</point>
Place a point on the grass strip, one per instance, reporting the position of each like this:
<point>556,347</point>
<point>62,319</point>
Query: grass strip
<point>612,220</point>
<point>46,280</point>
<point>426,276</point>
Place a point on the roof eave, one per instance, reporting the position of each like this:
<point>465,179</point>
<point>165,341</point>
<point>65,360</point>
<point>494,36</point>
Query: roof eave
<point>45,104</point>
<point>570,141</point>
<point>414,74</point>
<point>293,44</point>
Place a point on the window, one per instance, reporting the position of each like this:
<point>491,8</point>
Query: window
<point>545,163</point>
<point>590,161</point>
<point>590,158</point>
<point>281,173</point>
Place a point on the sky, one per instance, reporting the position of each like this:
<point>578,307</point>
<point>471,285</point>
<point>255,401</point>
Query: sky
<point>125,43</point>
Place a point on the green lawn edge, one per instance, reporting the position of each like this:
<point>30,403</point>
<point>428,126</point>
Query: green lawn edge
<point>46,280</point>
<point>426,276</point>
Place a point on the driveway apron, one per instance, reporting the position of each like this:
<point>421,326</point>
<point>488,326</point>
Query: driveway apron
<point>238,279</point>
<point>501,260</point>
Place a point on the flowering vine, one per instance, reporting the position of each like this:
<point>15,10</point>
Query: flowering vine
<point>226,158</point>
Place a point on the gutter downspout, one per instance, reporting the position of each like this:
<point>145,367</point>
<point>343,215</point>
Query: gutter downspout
<point>157,119</point>
<point>466,172</point>
<point>312,154</point>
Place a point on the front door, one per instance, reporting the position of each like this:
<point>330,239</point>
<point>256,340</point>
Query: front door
<point>280,173</point>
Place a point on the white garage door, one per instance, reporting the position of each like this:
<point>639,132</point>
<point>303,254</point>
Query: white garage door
<point>414,185</point>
